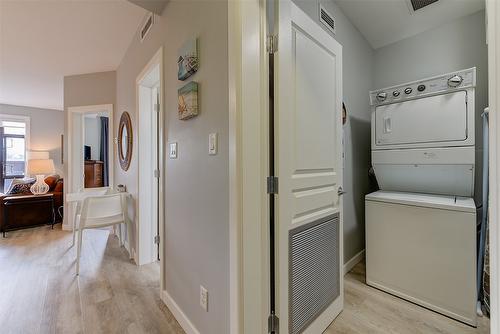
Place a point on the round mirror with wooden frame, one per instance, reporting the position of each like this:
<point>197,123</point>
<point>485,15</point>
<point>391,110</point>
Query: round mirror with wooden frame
<point>125,141</point>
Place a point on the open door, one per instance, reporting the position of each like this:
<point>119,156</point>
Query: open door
<point>308,163</point>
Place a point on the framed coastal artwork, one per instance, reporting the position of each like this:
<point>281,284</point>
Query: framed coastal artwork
<point>188,101</point>
<point>187,60</point>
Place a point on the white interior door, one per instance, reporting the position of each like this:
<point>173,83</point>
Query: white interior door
<point>308,77</point>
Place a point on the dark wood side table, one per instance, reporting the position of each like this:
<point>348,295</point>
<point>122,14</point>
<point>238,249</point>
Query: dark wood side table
<point>27,211</point>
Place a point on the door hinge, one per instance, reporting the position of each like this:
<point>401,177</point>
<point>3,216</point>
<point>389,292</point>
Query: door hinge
<point>272,184</point>
<point>156,173</point>
<point>157,107</point>
<point>273,324</point>
<point>157,239</point>
<point>272,44</point>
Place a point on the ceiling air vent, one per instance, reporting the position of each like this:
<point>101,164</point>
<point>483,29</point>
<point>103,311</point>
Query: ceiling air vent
<point>326,18</point>
<point>419,4</point>
<point>146,26</point>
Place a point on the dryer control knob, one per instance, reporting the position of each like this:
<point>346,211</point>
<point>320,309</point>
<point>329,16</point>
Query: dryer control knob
<point>455,81</point>
<point>396,93</point>
<point>382,96</point>
<point>408,90</point>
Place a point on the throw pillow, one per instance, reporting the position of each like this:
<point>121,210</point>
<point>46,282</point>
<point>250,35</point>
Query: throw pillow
<point>21,188</point>
<point>19,181</point>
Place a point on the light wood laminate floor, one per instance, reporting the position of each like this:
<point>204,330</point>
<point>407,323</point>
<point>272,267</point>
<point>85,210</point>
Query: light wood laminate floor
<point>371,311</point>
<point>39,293</point>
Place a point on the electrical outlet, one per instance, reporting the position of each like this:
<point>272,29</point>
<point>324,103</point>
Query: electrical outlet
<point>204,298</point>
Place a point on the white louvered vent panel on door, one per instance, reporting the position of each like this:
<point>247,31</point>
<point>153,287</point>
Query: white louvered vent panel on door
<point>314,271</point>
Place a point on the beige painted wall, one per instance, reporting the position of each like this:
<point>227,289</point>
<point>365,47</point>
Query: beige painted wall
<point>196,236</point>
<point>46,128</point>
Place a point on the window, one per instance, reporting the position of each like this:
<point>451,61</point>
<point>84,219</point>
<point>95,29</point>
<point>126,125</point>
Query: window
<point>14,135</point>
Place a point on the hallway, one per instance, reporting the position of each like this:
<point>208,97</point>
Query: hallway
<point>41,294</point>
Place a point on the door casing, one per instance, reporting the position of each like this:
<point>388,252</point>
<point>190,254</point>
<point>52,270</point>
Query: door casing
<point>147,228</point>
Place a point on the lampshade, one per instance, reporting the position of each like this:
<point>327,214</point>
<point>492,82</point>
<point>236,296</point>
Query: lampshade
<point>41,166</point>
<point>38,155</point>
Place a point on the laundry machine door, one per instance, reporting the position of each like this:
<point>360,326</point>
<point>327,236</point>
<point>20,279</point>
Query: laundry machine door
<point>435,119</point>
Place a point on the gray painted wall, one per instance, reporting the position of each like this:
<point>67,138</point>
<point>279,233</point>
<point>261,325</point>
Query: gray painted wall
<point>47,126</point>
<point>196,236</point>
<point>357,57</point>
<point>454,46</point>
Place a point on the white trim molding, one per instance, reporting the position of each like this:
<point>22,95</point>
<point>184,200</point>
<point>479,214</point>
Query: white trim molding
<point>353,261</point>
<point>248,142</point>
<point>143,231</point>
<point>180,316</point>
<point>493,40</point>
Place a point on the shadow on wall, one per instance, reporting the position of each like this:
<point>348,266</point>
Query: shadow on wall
<point>362,184</point>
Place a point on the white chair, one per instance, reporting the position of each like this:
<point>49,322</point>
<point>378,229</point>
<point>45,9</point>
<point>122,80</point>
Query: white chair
<point>87,192</point>
<point>97,212</point>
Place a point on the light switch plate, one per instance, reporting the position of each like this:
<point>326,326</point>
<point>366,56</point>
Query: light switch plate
<point>213,143</point>
<point>204,298</point>
<point>172,151</point>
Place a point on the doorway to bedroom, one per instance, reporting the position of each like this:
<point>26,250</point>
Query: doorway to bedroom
<point>149,89</point>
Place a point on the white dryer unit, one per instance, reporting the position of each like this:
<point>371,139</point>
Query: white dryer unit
<point>423,135</point>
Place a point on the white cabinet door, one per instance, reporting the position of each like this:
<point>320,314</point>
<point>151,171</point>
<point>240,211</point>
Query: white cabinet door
<point>440,118</point>
<point>308,73</point>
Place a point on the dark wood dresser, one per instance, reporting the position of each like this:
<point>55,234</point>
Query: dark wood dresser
<point>94,173</point>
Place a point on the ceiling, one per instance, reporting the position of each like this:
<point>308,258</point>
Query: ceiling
<point>41,41</point>
<point>383,22</point>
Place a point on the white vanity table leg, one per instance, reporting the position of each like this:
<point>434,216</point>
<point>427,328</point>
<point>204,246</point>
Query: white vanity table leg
<point>127,222</point>
<point>129,237</point>
<point>77,209</point>
<point>120,236</point>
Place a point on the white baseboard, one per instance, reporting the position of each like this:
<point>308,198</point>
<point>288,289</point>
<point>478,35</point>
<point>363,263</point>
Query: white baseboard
<point>66,227</point>
<point>354,261</point>
<point>178,314</point>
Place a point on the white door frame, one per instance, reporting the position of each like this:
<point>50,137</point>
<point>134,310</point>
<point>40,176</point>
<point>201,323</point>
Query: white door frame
<point>146,252</point>
<point>493,39</point>
<point>248,162</point>
<point>69,186</point>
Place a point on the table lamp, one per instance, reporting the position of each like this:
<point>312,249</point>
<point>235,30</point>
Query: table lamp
<point>40,165</point>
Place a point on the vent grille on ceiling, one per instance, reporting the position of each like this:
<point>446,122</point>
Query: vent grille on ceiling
<point>146,26</point>
<point>419,4</point>
<point>327,19</point>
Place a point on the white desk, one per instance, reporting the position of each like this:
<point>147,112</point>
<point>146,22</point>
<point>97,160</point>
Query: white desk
<point>79,197</point>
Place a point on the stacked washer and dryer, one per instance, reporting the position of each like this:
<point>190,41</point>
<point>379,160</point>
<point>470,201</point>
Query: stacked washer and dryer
<point>421,224</point>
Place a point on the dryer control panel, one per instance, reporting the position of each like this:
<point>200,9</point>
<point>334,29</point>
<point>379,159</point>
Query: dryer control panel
<point>431,86</point>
